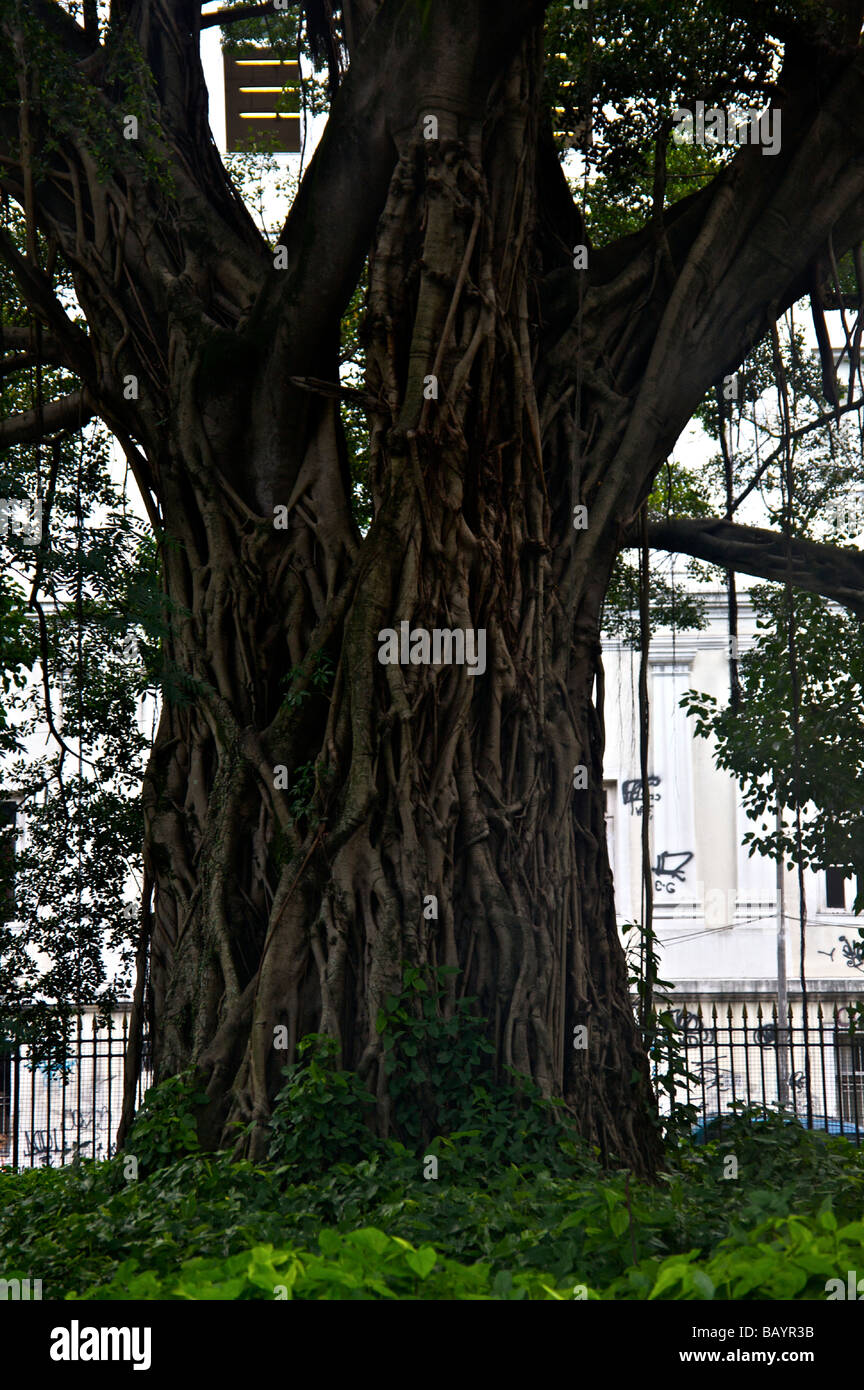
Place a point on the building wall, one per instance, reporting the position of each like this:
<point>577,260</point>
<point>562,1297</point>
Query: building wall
<point>715,907</point>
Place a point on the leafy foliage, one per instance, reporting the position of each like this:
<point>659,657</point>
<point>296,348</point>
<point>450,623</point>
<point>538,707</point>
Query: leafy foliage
<point>205,1227</point>
<point>672,605</point>
<point>433,1062</point>
<point>82,622</point>
<point>441,1078</point>
<point>667,1058</point>
<point>318,1118</point>
<point>361,1264</point>
<point>165,1127</point>
<point>73,742</point>
<point>631,65</point>
<point>756,742</point>
<point>443,1096</point>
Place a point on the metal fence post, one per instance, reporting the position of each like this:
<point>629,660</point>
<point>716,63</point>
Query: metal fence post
<point>16,1073</point>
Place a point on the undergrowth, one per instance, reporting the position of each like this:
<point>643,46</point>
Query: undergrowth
<point>485,1191</point>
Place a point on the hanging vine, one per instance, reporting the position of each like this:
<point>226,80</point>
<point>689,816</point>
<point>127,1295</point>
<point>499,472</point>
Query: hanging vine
<point>731,591</point>
<point>787,489</point>
<point>648,968</point>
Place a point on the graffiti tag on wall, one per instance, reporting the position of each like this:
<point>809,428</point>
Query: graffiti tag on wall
<point>853,953</point>
<point>670,868</point>
<point>632,794</point>
<point>76,1134</point>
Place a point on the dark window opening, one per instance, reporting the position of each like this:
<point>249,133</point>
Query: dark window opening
<point>850,1082</point>
<point>835,888</point>
<point>8,835</point>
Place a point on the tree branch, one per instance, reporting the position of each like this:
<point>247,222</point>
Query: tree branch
<point>37,292</point>
<point>741,250</point>
<point>828,417</point>
<point>31,426</point>
<point>48,354</point>
<point>21,336</point>
<point>821,569</point>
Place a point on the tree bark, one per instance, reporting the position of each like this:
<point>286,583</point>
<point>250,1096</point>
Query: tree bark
<point>822,569</point>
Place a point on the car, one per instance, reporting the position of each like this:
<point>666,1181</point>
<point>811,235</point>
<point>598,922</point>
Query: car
<point>711,1126</point>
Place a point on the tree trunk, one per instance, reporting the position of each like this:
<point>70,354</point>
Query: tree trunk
<point>299,906</point>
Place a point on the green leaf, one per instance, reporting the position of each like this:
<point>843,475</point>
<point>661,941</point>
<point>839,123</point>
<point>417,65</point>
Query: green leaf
<point>619,1221</point>
<point>422,1261</point>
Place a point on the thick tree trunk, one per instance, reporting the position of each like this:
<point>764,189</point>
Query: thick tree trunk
<point>428,781</point>
<point>419,781</point>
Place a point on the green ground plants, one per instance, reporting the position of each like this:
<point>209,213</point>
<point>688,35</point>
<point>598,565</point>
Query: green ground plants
<point>520,1209</point>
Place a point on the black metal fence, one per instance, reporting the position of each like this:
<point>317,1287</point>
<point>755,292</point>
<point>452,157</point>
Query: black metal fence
<point>54,1108</point>
<point>813,1068</point>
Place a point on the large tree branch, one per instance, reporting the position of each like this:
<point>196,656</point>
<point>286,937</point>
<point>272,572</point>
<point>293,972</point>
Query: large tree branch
<point>31,426</point>
<point>816,95</point>
<point>821,569</point>
<point>131,263</point>
<point>33,352</point>
<point>741,250</point>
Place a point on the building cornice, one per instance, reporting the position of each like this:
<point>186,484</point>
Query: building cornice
<point>729,990</point>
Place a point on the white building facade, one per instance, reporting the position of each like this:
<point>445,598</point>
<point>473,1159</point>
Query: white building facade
<point>716,915</point>
<point>715,906</point>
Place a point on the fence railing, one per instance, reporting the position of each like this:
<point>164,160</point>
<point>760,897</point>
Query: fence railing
<point>811,1068</point>
<point>57,1106</point>
<point>54,1108</point>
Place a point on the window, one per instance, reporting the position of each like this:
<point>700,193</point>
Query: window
<point>850,1080</point>
<point>835,889</point>
<point>610,791</point>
